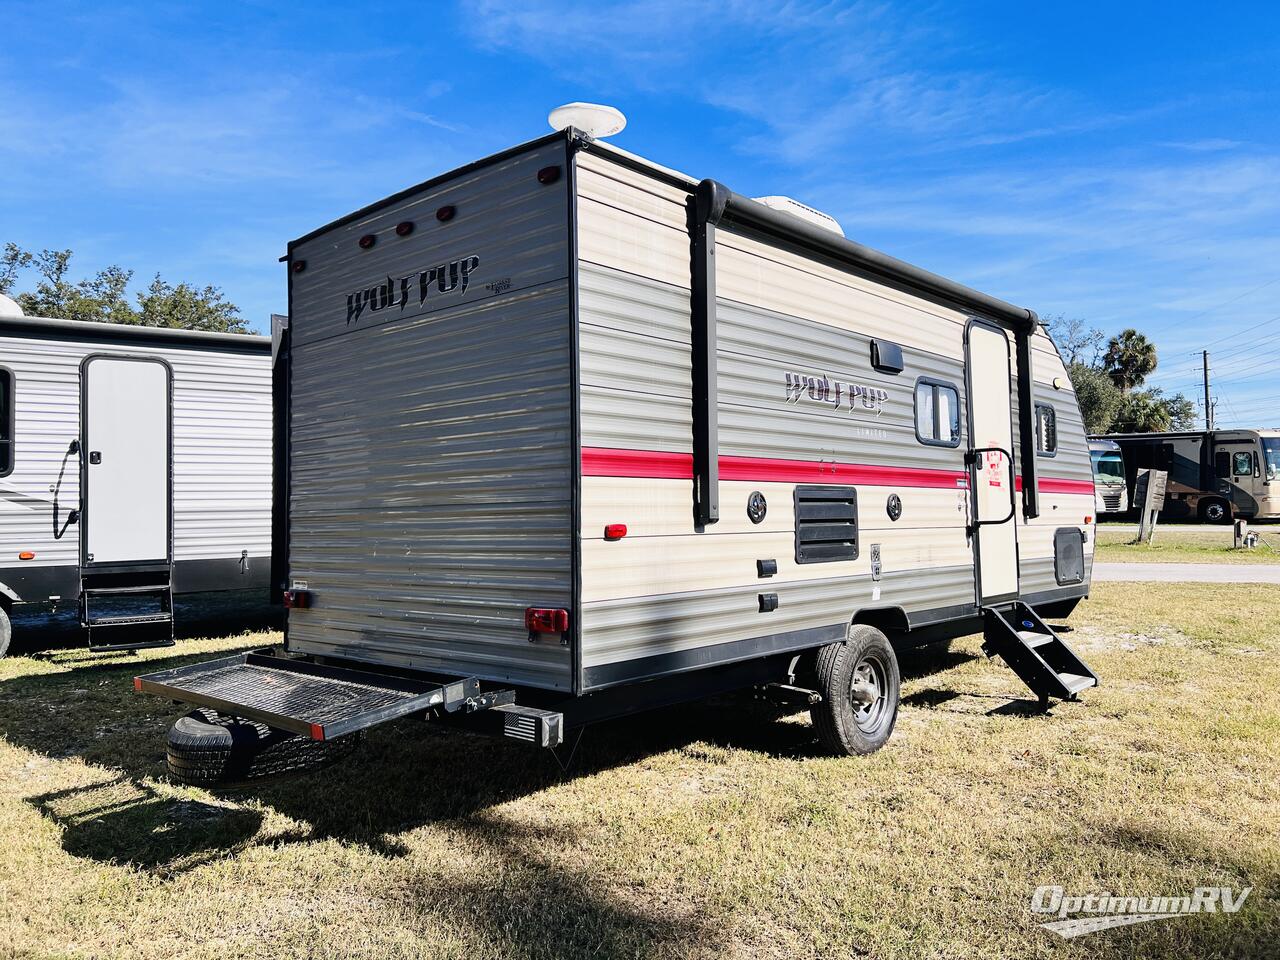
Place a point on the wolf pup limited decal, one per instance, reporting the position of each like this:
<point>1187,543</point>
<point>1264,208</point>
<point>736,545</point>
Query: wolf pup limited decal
<point>439,280</point>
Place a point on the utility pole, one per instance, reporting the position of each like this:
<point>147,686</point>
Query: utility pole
<point>1208,406</point>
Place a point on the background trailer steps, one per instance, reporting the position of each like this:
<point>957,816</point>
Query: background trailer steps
<point>1040,658</point>
<point>127,614</point>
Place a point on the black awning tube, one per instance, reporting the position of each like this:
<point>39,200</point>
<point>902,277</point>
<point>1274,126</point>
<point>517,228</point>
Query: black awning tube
<point>720,204</point>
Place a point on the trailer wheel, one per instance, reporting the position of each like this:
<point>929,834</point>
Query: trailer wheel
<point>206,748</point>
<point>6,631</point>
<point>859,683</point>
<point>1215,511</point>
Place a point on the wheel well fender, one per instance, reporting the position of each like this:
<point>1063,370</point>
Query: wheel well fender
<point>7,596</point>
<point>885,619</point>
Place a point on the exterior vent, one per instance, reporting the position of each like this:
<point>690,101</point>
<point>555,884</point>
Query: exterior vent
<point>803,211</point>
<point>826,524</point>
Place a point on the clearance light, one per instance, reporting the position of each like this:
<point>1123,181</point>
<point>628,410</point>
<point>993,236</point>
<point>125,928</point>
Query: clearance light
<point>26,555</point>
<point>404,229</point>
<point>445,213</point>
<point>297,599</point>
<point>299,266</point>
<point>548,175</point>
<point>542,620</point>
<point>615,531</point>
<point>367,241</point>
<point>1088,519</point>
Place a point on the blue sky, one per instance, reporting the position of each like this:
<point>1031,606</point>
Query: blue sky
<point>1114,162</point>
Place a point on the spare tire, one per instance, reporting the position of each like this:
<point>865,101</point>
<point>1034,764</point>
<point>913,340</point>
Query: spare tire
<point>206,748</point>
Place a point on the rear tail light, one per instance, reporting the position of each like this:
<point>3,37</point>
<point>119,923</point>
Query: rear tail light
<point>615,531</point>
<point>297,599</point>
<point>545,620</point>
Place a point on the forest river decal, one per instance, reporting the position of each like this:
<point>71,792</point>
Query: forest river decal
<point>854,397</point>
<point>444,278</point>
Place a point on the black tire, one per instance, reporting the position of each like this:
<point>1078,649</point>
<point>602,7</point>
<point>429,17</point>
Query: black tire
<point>6,631</point>
<point>849,728</point>
<point>206,748</point>
<point>1215,511</point>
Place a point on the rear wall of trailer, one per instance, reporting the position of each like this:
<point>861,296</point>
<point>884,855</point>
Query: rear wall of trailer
<point>799,404</point>
<point>431,426</point>
<point>221,461</point>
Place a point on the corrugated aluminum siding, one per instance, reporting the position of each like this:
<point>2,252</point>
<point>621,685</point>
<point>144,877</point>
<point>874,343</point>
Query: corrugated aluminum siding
<point>431,445</point>
<point>221,449</point>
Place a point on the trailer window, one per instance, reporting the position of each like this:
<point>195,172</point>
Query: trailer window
<point>937,413</point>
<point>6,422</point>
<point>1271,448</point>
<point>1242,464</point>
<point>1046,430</point>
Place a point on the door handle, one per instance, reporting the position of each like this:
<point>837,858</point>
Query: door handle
<point>95,456</point>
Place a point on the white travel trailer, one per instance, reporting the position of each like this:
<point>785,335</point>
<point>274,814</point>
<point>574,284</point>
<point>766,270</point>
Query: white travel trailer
<point>135,463</point>
<point>571,434</point>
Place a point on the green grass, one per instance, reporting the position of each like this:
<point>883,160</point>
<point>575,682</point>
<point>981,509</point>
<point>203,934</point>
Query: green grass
<point>710,830</point>
<point>1176,544</point>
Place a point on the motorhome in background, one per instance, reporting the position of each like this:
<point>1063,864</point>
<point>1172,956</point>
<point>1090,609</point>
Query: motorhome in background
<point>1110,492</point>
<point>569,424</point>
<point>1215,476</point>
<point>135,463</point>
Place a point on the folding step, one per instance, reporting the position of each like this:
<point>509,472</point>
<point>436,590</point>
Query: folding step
<point>1040,658</point>
<point>120,606</point>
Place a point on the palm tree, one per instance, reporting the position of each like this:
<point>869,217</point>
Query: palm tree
<point>1130,357</point>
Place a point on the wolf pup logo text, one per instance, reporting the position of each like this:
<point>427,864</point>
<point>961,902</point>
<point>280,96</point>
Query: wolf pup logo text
<point>444,278</point>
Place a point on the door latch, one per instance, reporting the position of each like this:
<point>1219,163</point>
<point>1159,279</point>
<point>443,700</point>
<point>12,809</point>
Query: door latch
<point>95,456</point>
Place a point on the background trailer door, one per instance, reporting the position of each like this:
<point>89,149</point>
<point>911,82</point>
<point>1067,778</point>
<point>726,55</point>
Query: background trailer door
<point>127,456</point>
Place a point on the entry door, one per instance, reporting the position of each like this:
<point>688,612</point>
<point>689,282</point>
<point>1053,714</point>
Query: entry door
<point>995,541</point>
<point>125,446</point>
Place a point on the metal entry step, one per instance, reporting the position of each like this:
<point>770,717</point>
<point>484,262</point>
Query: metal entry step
<point>1041,658</point>
<point>315,700</point>
<point>110,603</point>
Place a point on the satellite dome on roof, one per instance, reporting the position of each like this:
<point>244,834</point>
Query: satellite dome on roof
<point>803,211</point>
<point>594,119</point>
<point>9,307</point>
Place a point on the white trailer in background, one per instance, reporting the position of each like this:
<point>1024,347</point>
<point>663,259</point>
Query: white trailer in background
<point>570,429</point>
<point>135,463</point>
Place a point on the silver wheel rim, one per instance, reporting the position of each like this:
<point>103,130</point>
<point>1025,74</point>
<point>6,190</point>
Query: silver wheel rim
<point>1215,511</point>
<point>868,694</point>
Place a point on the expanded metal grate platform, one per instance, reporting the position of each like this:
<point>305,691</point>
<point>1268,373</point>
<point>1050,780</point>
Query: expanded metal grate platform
<point>318,701</point>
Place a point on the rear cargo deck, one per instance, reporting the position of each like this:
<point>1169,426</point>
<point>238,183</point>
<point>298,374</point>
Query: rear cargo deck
<point>311,699</point>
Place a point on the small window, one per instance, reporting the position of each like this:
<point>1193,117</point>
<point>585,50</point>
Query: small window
<point>1222,464</point>
<point>6,422</point>
<point>937,413</point>
<point>1242,464</point>
<point>1046,430</point>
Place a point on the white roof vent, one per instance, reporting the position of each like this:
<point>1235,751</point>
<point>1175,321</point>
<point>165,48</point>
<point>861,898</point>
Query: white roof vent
<point>9,307</point>
<point>594,119</point>
<point>804,212</point>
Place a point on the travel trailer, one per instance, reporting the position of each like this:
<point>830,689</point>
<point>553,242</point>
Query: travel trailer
<point>1216,476</point>
<point>1110,493</point>
<point>570,434</point>
<point>135,464</point>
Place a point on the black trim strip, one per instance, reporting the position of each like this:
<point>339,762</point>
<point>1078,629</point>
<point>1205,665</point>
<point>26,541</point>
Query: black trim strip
<point>1026,425</point>
<point>742,211</point>
<point>696,658</point>
<point>705,211</point>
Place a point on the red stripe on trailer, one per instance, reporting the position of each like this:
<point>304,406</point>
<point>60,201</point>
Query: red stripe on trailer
<point>662,465</point>
<point>649,464</point>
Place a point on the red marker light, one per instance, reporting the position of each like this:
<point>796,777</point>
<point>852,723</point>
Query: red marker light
<point>299,266</point>
<point>1088,519</point>
<point>404,229</point>
<point>548,175</point>
<point>445,213</point>
<point>317,732</point>
<point>543,620</point>
<point>26,555</point>
<point>367,241</point>
<point>297,599</point>
<point>615,531</point>
<point>137,684</point>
